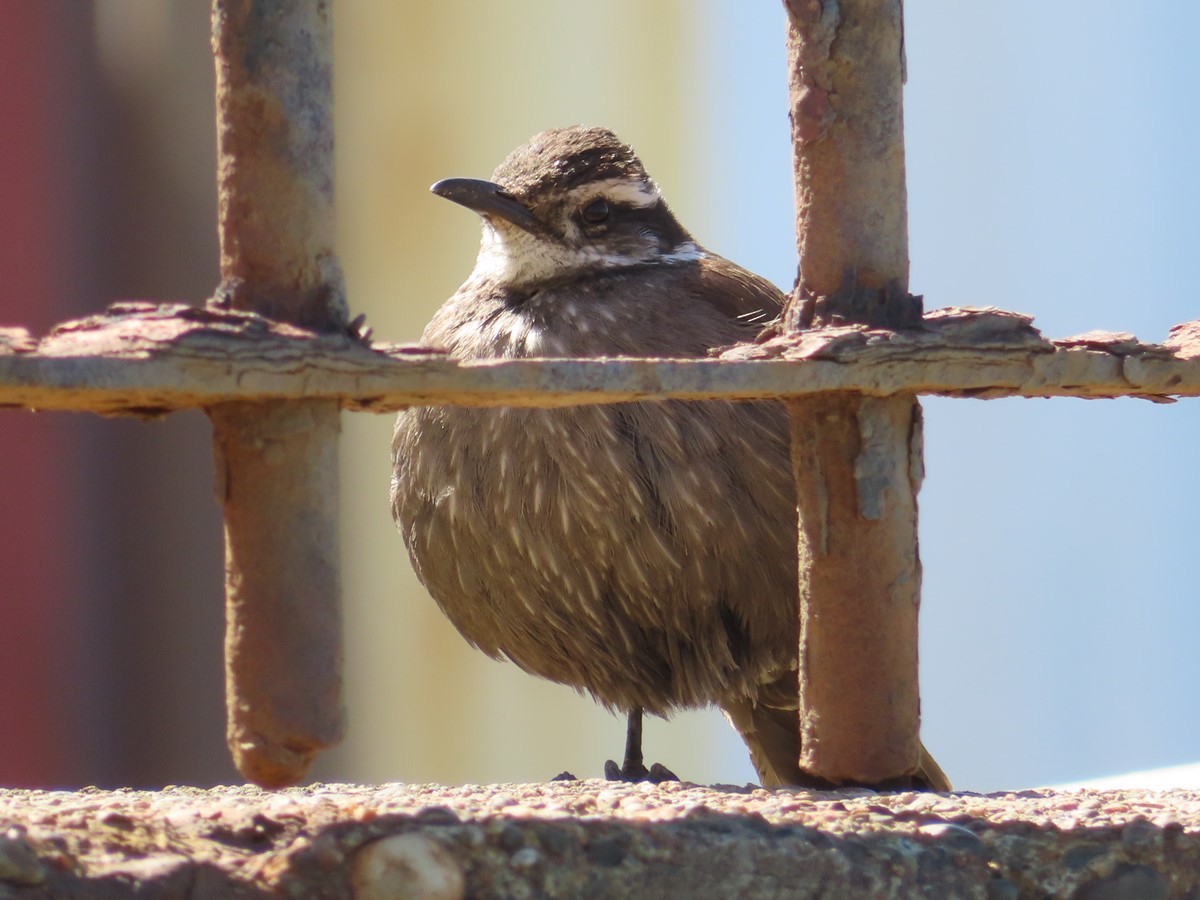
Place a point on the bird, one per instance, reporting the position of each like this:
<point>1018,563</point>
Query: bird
<point>645,552</point>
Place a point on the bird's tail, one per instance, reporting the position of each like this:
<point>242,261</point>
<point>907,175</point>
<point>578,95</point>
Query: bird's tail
<point>772,736</point>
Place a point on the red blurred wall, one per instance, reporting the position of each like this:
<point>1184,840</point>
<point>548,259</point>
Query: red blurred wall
<point>36,531</point>
<point>110,543</point>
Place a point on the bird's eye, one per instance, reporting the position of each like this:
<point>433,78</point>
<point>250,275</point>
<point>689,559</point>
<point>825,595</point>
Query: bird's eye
<point>596,212</point>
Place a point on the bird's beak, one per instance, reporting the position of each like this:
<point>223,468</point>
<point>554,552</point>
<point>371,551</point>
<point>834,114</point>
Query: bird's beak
<point>487,199</point>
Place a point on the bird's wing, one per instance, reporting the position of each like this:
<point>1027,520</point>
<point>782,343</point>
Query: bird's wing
<point>738,293</point>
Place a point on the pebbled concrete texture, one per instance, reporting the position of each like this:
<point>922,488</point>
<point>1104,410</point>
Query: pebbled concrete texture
<point>597,839</point>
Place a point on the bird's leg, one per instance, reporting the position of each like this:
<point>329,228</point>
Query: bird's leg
<point>634,768</point>
<point>633,746</point>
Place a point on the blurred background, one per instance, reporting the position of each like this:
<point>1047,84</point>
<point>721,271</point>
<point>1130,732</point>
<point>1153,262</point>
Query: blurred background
<point>1051,171</point>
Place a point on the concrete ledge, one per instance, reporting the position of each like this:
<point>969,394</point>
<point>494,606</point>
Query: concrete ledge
<point>595,839</point>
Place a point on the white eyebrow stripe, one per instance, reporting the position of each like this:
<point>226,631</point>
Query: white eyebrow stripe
<point>641,194</point>
<point>685,252</point>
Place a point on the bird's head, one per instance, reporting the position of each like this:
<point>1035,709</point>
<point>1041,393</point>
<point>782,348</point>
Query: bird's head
<point>570,202</point>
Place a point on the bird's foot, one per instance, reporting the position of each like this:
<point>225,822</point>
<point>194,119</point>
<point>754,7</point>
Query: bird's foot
<point>564,776</point>
<point>656,774</point>
<point>359,331</point>
<point>633,769</point>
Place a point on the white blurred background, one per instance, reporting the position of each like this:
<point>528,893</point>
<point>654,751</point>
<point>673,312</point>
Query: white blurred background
<point>1050,155</point>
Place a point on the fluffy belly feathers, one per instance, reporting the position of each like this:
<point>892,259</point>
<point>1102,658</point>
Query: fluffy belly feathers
<point>599,546</point>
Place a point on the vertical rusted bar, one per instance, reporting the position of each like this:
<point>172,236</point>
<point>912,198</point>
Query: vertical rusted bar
<point>277,462</point>
<point>858,460</point>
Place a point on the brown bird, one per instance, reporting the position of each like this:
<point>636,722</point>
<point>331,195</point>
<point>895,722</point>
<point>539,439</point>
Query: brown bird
<point>645,552</point>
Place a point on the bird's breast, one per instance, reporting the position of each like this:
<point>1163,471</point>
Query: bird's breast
<point>644,552</point>
<point>643,312</point>
<point>625,549</point>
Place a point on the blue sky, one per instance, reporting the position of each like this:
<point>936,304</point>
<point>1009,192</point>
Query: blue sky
<point>1051,170</point>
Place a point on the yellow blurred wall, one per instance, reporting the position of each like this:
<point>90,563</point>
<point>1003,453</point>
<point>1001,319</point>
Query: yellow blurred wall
<point>423,92</point>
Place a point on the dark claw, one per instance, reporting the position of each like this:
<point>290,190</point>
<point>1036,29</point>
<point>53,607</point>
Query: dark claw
<point>660,773</point>
<point>656,774</point>
<point>627,773</point>
<point>356,330</point>
<point>564,776</point>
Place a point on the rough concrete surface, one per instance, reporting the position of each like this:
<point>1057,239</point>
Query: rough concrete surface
<point>596,839</point>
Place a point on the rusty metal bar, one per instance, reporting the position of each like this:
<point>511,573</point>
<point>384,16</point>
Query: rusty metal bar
<point>277,461</point>
<point>858,460</point>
